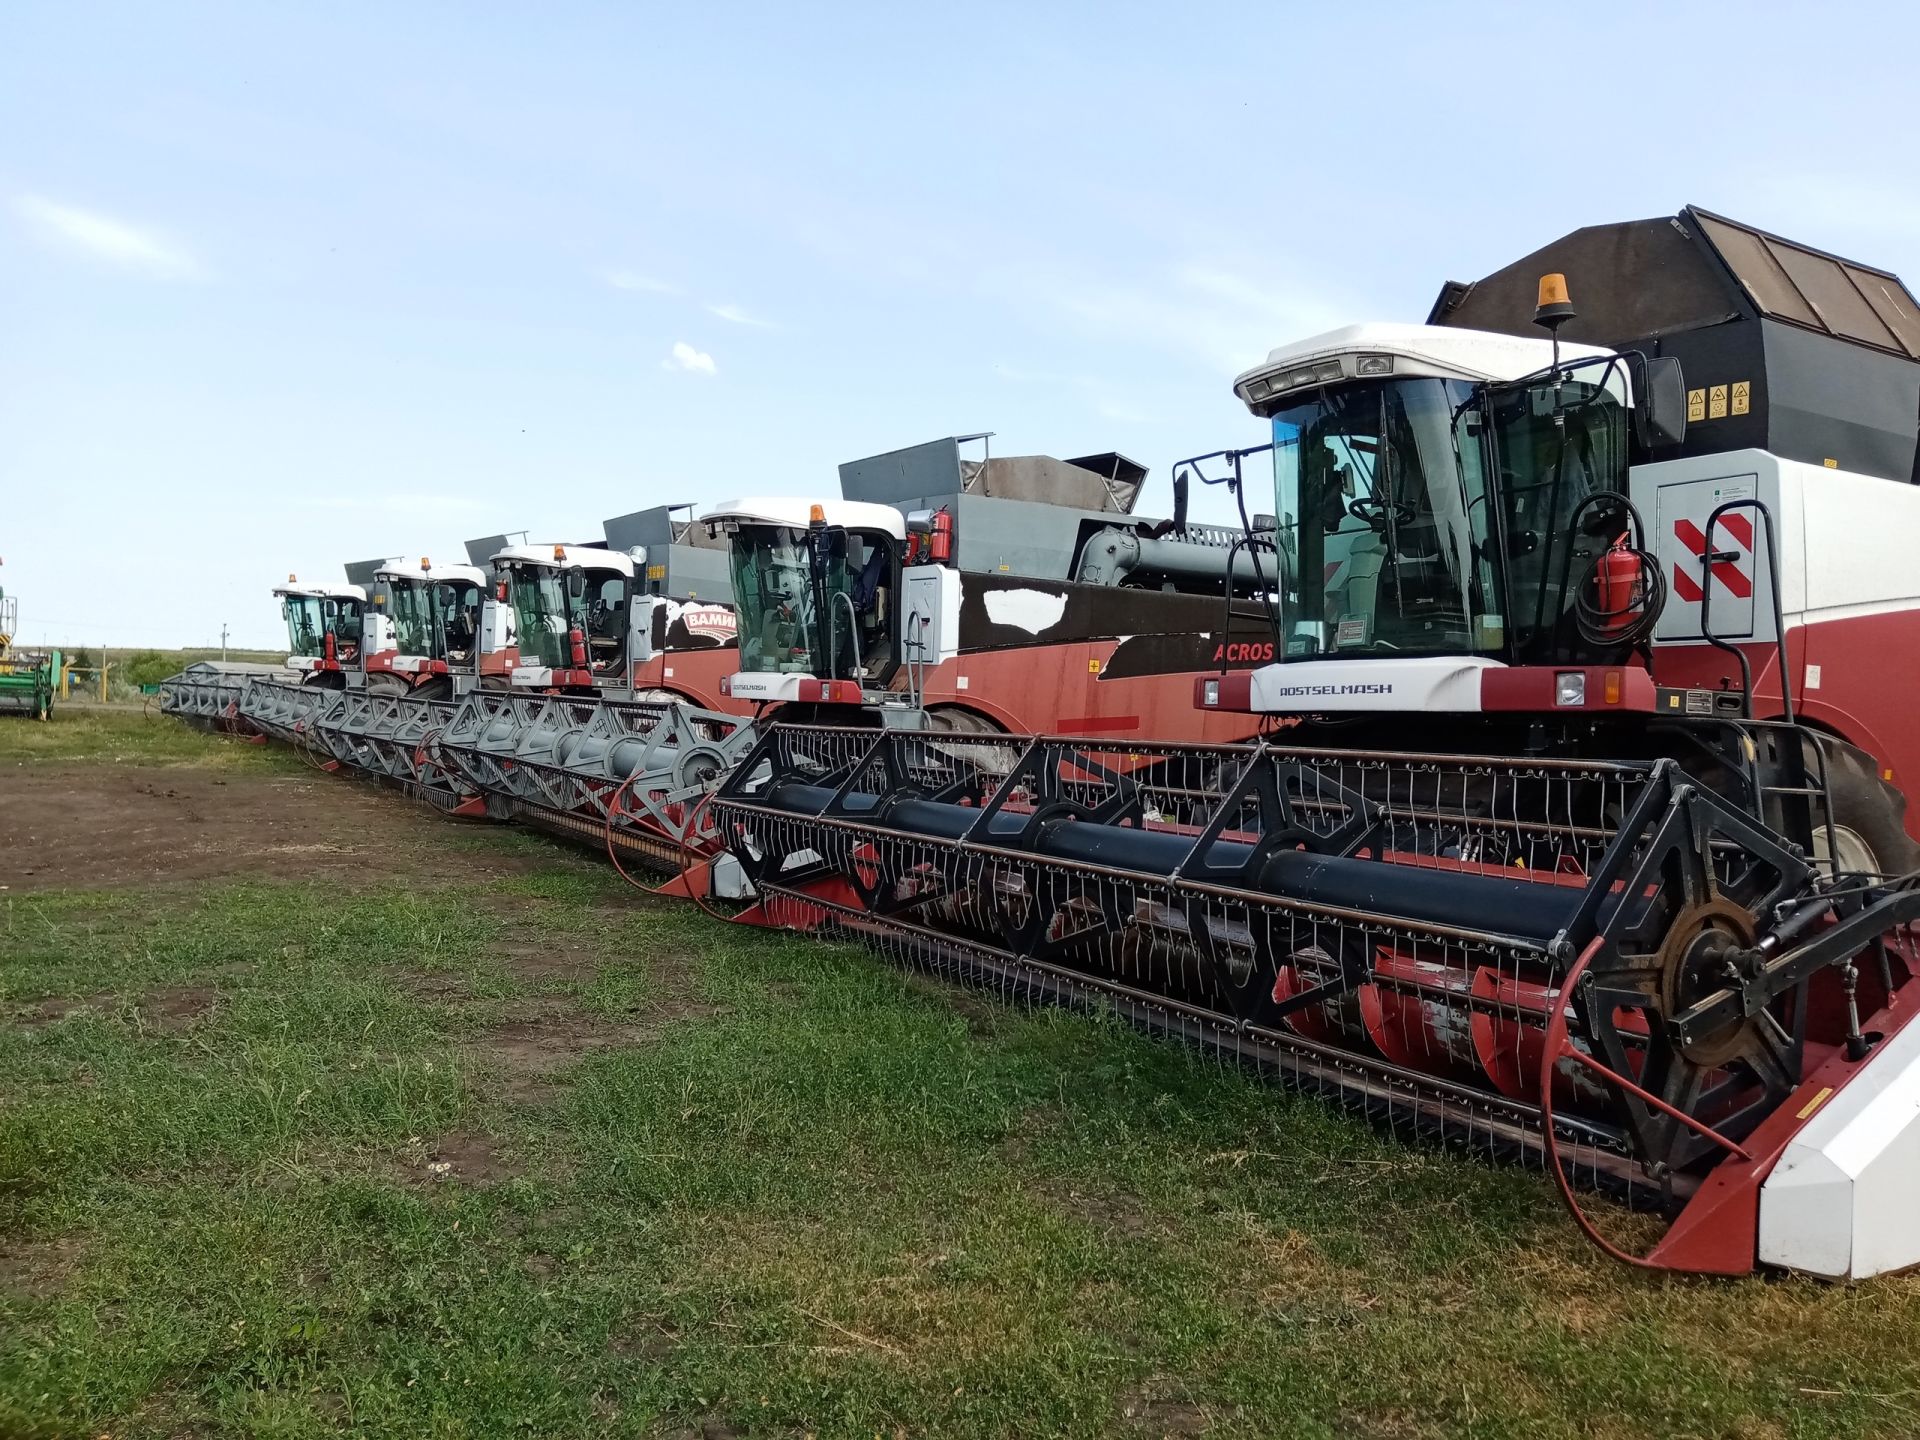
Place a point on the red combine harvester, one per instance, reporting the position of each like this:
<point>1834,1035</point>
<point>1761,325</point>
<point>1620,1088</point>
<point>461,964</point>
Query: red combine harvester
<point>1584,840</point>
<point>1000,595</point>
<point>324,622</point>
<point>433,638</point>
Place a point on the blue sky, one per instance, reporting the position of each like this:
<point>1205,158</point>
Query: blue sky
<point>282,287</point>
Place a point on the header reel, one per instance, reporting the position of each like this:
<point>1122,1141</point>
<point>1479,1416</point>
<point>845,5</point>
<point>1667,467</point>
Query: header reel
<point>1603,966</point>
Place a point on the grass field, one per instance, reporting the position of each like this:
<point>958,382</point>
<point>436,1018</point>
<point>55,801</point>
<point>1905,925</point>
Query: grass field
<point>534,1154</point>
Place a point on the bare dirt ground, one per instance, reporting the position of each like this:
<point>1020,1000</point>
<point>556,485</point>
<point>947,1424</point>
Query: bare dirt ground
<point>106,826</point>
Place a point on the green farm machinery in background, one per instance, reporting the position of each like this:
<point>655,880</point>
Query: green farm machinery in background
<point>27,677</point>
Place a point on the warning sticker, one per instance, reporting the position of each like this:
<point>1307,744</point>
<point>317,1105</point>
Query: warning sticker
<point>1696,405</point>
<point>1716,402</point>
<point>1742,396</point>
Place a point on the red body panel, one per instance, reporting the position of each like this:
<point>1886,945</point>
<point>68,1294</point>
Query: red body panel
<point>1868,691</point>
<point>1059,690</point>
<point>695,674</point>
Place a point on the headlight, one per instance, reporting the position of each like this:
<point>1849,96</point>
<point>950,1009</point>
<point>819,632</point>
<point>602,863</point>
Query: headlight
<point>1570,687</point>
<point>1210,692</point>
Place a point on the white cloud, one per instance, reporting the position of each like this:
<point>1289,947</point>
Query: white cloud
<point>734,315</point>
<point>631,280</point>
<point>685,357</point>
<point>104,238</point>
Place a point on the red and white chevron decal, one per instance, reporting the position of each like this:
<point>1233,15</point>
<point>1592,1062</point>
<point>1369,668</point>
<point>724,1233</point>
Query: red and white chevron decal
<point>1732,574</point>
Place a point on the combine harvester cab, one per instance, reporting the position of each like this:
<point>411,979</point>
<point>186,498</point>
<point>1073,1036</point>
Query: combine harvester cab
<point>989,596</point>
<point>436,635</point>
<point>326,625</point>
<point>431,640</point>
<point>1618,909</point>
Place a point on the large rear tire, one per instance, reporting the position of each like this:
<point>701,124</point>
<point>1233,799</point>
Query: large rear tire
<point>383,683</point>
<point>1869,816</point>
<point>951,720</point>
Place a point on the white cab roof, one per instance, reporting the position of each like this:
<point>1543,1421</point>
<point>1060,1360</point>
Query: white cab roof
<point>322,590</point>
<point>796,513</point>
<point>587,557</point>
<point>1415,350</point>
<point>442,570</point>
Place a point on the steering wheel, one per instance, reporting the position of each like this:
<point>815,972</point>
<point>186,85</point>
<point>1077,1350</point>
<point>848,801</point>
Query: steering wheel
<point>1372,512</point>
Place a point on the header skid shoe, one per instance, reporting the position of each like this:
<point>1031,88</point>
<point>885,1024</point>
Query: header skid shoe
<point>1601,966</point>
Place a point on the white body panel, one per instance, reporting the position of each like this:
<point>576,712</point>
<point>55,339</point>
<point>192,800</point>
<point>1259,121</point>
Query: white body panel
<point>532,676</point>
<point>1843,1200</point>
<point>930,601</point>
<point>496,624</point>
<point>1443,683</point>
<point>640,628</point>
<point>1846,542</point>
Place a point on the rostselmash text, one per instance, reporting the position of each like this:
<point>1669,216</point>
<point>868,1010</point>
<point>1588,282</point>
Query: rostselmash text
<point>1289,692</point>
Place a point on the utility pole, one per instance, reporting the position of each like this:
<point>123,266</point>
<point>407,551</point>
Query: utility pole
<point>223,642</point>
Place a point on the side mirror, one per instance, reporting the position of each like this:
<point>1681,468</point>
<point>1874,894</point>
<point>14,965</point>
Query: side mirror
<point>1660,414</point>
<point>1180,486</point>
<point>576,580</point>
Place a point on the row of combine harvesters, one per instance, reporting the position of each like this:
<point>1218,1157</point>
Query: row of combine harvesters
<point>1528,771</point>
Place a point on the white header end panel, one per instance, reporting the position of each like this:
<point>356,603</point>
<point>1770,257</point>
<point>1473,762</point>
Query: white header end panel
<point>1840,1201</point>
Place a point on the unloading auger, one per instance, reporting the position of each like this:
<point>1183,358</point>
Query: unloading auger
<point>1604,966</point>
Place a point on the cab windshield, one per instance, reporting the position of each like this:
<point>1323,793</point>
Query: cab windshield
<point>540,613</point>
<point>455,606</point>
<point>1380,523</point>
<point>814,602</point>
<point>306,629</point>
<point>312,618</point>
<point>774,600</point>
<point>546,613</point>
<point>412,617</point>
<point>1439,517</point>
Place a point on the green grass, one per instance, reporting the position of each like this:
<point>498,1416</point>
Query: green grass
<point>773,1187</point>
<point>130,734</point>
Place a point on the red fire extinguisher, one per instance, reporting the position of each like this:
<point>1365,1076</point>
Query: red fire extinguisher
<point>578,643</point>
<point>1620,586</point>
<point>940,541</point>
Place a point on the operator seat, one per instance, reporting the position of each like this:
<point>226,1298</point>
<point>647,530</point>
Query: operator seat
<point>1358,591</point>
